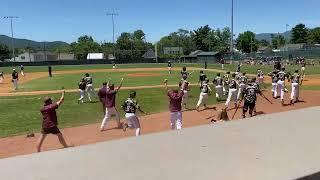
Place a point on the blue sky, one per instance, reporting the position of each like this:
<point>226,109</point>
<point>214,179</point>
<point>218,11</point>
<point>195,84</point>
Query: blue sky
<point>66,20</point>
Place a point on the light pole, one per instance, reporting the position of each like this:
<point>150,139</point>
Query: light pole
<point>231,43</point>
<point>112,17</point>
<point>12,40</point>
<point>251,48</point>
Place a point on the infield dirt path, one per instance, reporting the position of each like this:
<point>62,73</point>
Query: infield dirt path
<point>89,134</point>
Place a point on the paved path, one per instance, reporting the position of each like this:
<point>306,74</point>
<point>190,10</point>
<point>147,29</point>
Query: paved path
<point>278,146</point>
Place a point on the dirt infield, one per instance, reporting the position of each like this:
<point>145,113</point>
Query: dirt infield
<point>143,75</point>
<point>89,134</point>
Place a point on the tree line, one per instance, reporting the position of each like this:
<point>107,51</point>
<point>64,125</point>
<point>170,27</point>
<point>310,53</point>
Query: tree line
<point>132,45</point>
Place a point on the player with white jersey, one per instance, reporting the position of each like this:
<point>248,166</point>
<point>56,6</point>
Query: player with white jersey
<point>169,66</point>
<point>89,84</point>
<point>185,89</point>
<point>218,82</point>
<point>243,80</point>
<point>226,79</point>
<point>274,82</point>
<point>232,91</point>
<point>204,94</point>
<point>130,106</point>
<point>260,76</point>
<point>1,77</point>
<point>303,68</point>
<point>282,75</point>
<point>202,78</point>
<point>295,81</point>
<point>82,88</point>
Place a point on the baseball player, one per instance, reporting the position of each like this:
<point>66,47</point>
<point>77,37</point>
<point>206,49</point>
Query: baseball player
<point>260,76</point>
<point>102,95</point>
<point>238,67</point>
<point>1,77</point>
<point>226,79</point>
<point>22,70</point>
<point>295,81</point>
<point>202,78</point>
<point>250,97</point>
<point>130,106</point>
<point>50,121</point>
<point>243,80</point>
<point>169,66</point>
<point>114,66</point>
<point>274,82</point>
<point>82,88</point>
<point>282,75</point>
<point>232,91</point>
<point>15,79</point>
<point>185,89</point>
<point>204,94</point>
<point>89,88</point>
<point>303,68</point>
<point>184,72</point>
<point>110,104</point>
<point>175,98</point>
<point>218,81</point>
<point>50,71</point>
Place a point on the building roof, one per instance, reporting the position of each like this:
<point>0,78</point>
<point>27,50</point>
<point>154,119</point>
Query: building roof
<point>150,54</point>
<point>207,54</point>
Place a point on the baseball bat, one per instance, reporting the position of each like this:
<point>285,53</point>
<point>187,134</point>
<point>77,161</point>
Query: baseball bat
<point>237,108</point>
<point>266,98</point>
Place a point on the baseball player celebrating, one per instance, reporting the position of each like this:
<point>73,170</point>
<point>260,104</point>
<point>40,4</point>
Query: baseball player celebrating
<point>226,79</point>
<point>218,81</point>
<point>130,106</point>
<point>169,66</point>
<point>22,70</point>
<point>1,77</point>
<point>232,91</point>
<point>89,88</point>
<point>102,95</point>
<point>15,78</point>
<point>303,68</point>
<point>82,88</point>
<point>185,89</point>
<point>250,97</point>
<point>243,80</point>
<point>274,82</point>
<point>50,122</point>
<point>260,77</point>
<point>110,103</point>
<point>202,78</point>
<point>204,94</point>
<point>295,81</point>
<point>281,84</point>
<point>175,98</point>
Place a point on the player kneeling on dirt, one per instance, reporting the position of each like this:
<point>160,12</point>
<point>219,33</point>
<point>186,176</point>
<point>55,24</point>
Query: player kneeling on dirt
<point>50,122</point>
<point>130,106</point>
<point>250,97</point>
<point>204,95</point>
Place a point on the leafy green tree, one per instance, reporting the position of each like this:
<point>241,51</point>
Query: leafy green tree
<point>200,38</point>
<point>4,52</point>
<point>223,40</point>
<point>314,36</point>
<point>264,43</point>
<point>84,46</point>
<point>277,41</point>
<point>299,34</point>
<point>247,40</point>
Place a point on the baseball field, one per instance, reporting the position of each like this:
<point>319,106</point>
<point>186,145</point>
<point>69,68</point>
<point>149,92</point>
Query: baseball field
<point>19,110</point>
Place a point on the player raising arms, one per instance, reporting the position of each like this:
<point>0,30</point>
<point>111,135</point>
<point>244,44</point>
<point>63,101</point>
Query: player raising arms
<point>232,92</point>
<point>184,72</point>
<point>250,97</point>
<point>243,80</point>
<point>295,81</point>
<point>274,82</point>
<point>218,81</point>
<point>202,78</point>
<point>175,101</point>
<point>204,94</point>
<point>130,106</point>
<point>226,79</point>
<point>184,85</point>
<point>282,75</point>
<point>110,104</point>
<point>50,122</point>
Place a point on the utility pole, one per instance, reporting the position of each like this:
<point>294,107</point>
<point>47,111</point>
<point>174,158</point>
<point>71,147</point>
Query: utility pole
<point>231,43</point>
<point>156,51</point>
<point>251,47</point>
<point>12,40</point>
<point>112,17</point>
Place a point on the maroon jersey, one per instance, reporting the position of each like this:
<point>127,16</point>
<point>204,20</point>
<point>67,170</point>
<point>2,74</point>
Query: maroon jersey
<point>175,101</point>
<point>49,115</point>
<point>82,86</point>
<point>110,100</point>
<point>102,94</point>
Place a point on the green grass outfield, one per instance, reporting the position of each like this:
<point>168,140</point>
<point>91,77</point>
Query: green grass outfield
<point>229,67</point>
<point>20,115</point>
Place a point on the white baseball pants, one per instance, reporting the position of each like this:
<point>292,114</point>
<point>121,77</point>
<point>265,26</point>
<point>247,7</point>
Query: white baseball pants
<point>176,120</point>
<point>107,117</point>
<point>133,122</point>
<point>15,84</point>
<point>184,97</point>
<point>242,88</point>
<point>260,80</point>
<point>82,93</point>
<point>232,96</point>
<point>219,92</point>
<point>294,91</point>
<point>203,99</point>
<point>90,91</point>
<point>281,87</point>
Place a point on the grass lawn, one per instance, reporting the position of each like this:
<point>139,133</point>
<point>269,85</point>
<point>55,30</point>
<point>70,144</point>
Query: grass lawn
<point>21,114</point>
